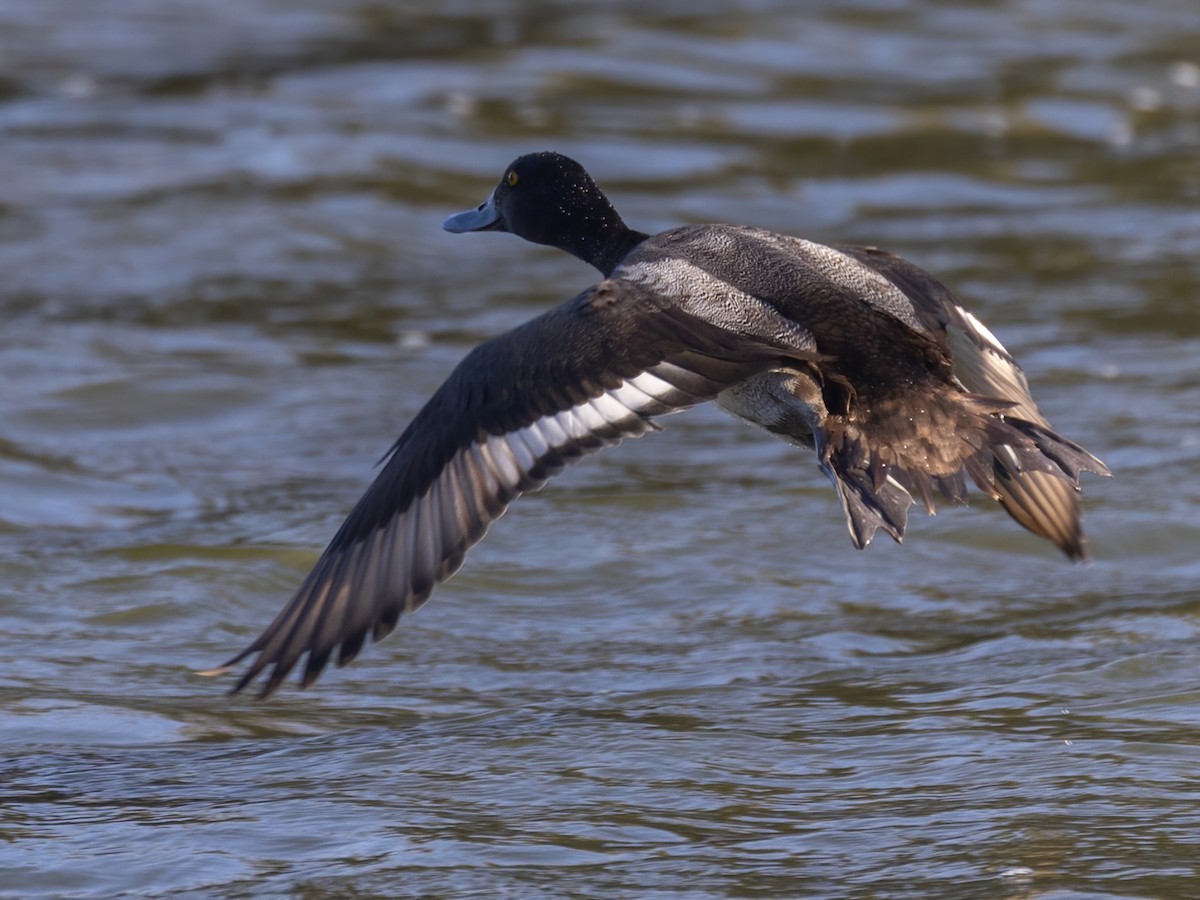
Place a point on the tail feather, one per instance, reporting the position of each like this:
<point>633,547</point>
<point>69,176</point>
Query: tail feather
<point>1046,505</point>
<point>952,487</point>
<point>1067,456</point>
<point>871,497</point>
<point>869,508</point>
<point>1046,501</point>
<point>1030,469</point>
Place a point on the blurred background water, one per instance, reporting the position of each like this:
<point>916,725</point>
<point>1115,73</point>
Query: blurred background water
<point>225,290</point>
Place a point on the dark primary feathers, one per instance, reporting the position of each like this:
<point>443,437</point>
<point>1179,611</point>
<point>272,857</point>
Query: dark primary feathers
<point>850,351</point>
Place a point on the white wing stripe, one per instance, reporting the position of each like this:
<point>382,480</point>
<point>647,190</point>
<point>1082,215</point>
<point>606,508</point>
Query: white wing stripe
<point>483,469</point>
<point>556,436</point>
<point>496,450</point>
<point>506,459</point>
<point>654,386</point>
<point>591,417</point>
<point>534,439</point>
<point>520,451</point>
<point>632,397</point>
<point>612,408</point>
<point>575,428</point>
<point>465,494</point>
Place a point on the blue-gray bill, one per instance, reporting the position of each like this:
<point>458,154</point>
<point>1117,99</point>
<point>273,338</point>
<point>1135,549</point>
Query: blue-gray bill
<point>484,217</point>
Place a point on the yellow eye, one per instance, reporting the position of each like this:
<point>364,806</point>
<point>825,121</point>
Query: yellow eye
<point>512,178</point>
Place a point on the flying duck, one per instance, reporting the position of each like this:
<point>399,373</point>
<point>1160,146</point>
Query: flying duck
<point>850,351</point>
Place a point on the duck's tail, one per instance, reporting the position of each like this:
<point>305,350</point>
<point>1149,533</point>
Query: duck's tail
<point>880,460</point>
<point>1046,503</point>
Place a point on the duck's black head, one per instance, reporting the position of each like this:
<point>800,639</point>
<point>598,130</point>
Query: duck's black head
<point>548,198</point>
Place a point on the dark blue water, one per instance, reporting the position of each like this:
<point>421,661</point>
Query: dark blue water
<point>225,290</point>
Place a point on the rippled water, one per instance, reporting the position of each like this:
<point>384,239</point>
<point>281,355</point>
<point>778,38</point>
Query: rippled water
<point>225,290</point>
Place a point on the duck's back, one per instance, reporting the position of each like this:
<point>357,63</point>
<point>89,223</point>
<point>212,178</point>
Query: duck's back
<point>770,285</point>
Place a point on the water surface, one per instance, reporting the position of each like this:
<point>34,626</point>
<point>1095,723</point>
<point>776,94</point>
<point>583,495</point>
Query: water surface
<point>226,290</point>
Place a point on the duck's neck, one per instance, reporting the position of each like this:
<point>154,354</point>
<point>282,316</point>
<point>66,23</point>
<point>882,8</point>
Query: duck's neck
<point>605,251</point>
<point>588,226</point>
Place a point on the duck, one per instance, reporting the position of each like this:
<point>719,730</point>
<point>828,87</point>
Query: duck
<point>848,351</point>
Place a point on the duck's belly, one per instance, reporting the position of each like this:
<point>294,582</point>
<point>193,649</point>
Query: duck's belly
<point>785,402</point>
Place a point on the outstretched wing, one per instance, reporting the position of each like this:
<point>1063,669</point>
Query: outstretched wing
<point>516,410</point>
<point>1041,502</point>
